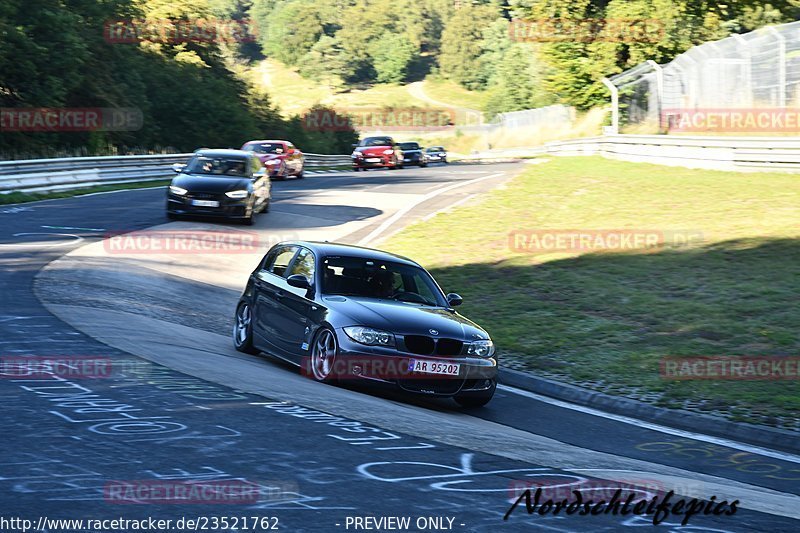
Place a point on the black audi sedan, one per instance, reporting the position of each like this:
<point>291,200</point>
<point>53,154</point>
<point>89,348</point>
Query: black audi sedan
<point>219,183</point>
<point>346,313</point>
<point>412,154</point>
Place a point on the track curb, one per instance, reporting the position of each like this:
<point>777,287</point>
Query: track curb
<point>767,437</point>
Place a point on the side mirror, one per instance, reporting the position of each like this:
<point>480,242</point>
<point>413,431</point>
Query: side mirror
<point>178,167</point>
<point>299,281</point>
<point>454,299</point>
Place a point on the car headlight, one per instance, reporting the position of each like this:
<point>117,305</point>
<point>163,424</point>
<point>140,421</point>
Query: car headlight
<point>369,336</point>
<point>482,348</point>
<point>357,154</point>
<point>180,191</point>
<point>387,152</point>
<point>272,162</point>
<point>238,195</point>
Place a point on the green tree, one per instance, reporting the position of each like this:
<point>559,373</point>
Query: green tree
<point>391,55</point>
<point>461,58</point>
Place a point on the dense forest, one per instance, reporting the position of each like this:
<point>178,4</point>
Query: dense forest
<point>57,53</point>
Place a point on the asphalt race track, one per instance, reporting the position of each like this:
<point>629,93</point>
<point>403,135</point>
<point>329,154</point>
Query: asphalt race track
<point>183,405</point>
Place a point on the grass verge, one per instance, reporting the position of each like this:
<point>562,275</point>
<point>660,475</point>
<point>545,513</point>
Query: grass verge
<point>606,319</point>
<point>23,197</point>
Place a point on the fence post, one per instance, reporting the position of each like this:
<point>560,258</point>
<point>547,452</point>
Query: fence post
<point>781,65</point>
<point>614,104</point>
<point>748,67</point>
<point>659,89</point>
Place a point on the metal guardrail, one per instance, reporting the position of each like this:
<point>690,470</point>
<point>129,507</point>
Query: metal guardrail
<point>748,154</point>
<point>41,175</point>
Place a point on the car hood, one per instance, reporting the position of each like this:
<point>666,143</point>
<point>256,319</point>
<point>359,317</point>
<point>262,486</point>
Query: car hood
<point>372,149</point>
<point>267,157</point>
<point>404,318</point>
<point>216,184</point>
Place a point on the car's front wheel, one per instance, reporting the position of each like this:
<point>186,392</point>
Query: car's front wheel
<point>243,329</point>
<point>323,356</point>
<point>476,400</point>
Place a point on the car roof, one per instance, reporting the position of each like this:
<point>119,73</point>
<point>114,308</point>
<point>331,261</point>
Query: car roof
<point>220,152</point>
<point>266,141</point>
<point>338,249</point>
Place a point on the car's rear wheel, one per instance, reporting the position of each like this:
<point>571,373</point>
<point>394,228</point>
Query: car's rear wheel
<point>323,356</point>
<point>243,329</point>
<point>476,400</point>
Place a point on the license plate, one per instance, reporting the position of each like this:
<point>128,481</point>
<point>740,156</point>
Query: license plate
<point>205,203</point>
<point>373,160</point>
<point>434,367</point>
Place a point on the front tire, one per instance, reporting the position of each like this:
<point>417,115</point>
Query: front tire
<point>243,329</point>
<point>323,356</point>
<point>301,175</point>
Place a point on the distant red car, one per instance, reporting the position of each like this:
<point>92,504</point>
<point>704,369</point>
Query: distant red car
<point>376,152</point>
<point>280,158</point>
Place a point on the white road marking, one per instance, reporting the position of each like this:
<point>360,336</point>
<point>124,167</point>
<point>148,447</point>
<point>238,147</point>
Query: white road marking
<point>74,228</point>
<point>655,427</point>
<point>400,214</point>
<point>77,239</point>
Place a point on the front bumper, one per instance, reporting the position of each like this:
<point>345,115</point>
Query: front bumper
<point>389,367</point>
<point>382,161</point>
<point>228,208</point>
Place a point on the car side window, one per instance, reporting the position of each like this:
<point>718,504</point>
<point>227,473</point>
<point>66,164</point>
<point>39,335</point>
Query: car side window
<point>283,256</point>
<point>304,264</point>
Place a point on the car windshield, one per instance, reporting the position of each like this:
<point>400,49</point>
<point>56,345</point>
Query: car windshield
<point>409,146</point>
<point>217,166</point>
<point>435,149</point>
<point>376,141</point>
<point>265,148</point>
<point>373,278</point>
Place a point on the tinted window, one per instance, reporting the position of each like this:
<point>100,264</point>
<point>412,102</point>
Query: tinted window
<point>409,146</point>
<point>283,256</point>
<point>217,166</point>
<point>376,141</point>
<point>304,264</point>
<point>265,148</point>
<point>354,276</point>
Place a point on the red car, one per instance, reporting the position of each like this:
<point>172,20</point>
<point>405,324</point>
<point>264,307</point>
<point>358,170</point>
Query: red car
<point>280,158</point>
<point>376,152</point>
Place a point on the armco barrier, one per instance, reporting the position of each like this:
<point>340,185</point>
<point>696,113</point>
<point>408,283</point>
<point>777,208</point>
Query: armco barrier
<point>41,175</point>
<point>781,154</point>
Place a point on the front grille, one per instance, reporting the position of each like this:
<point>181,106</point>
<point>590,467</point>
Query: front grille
<point>202,195</point>
<point>423,345</point>
<point>420,344</point>
<point>443,385</point>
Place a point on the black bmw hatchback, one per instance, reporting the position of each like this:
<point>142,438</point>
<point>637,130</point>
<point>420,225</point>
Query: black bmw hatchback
<point>347,313</point>
<point>220,183</point>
